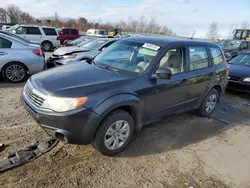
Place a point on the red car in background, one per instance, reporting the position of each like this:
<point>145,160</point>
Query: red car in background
<point>67,34</point>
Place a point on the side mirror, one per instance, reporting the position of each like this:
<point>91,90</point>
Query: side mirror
<point>14,32</point>
<point>162,73</point>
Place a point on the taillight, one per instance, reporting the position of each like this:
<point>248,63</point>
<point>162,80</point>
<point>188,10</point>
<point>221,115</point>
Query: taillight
<point>37,52</point>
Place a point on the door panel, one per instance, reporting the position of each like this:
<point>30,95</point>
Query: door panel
<point>166,96</point>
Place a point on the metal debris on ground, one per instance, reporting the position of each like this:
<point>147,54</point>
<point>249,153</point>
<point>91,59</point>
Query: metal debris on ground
<point>246,104</point>
<point>2,147</point>
<point>27,154</point>
<point>221,120</point>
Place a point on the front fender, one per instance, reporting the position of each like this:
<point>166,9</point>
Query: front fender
<point>118,101</point>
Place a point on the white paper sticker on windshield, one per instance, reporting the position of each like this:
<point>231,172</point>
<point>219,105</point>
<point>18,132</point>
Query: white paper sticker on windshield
<point>151,46</point>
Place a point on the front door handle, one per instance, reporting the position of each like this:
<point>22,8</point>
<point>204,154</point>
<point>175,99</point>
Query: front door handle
<point>184,81</point>
<point>3,53</point>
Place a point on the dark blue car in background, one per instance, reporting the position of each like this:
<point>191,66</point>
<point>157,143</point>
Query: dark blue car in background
<point>239,73</point>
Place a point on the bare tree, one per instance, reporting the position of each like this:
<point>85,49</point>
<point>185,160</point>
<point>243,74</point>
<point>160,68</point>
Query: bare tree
<point>213,31</point>
<point>244,25</point>
<point>13,12</point>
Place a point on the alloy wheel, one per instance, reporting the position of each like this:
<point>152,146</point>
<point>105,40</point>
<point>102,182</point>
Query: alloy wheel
<point>117,135</point>
<point>15,73</point>
<point>211,102</point>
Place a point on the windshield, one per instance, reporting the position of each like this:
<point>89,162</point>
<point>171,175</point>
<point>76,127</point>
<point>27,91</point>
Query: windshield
<point>94,44</point>
<point>230,43</point>
<point>81,44</point>
<point>128,56</point>
<point>242,59</point>
<point>12,28</point>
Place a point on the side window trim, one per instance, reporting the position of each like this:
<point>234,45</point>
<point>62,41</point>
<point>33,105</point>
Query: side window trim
<point>165,51</point>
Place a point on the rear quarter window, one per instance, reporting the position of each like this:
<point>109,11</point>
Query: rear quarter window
<point>50,31</point>
<point>5,43</point>
<point>216,56</point>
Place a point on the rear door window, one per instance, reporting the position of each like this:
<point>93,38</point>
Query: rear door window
<point>50,31</point>
<point>4,43</point>
<point>33,31</point>
<point>198,58</point>
<point>216,55</point>
<point>74,32</point>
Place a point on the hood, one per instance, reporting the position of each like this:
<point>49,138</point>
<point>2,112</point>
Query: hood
<point>76,80</point>
<point>69,50</point>
<point>229,49</point>
<point>239,70</point>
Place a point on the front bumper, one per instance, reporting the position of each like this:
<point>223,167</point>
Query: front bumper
<point>75,127</point>
<point>239,86</point>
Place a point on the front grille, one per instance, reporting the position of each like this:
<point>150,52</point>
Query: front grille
<point>34,98</point>
<point>234,78</point>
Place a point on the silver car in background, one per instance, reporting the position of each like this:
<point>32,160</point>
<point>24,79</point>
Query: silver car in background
<point>19,58</point>
<point>66,55</point>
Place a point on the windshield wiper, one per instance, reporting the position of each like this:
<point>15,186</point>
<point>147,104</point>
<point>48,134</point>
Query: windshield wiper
<point>108,68</point>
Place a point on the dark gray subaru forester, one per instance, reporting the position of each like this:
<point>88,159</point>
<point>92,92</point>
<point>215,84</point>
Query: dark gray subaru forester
<point>134,82</point>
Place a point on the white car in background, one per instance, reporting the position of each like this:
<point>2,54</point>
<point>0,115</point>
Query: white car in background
<point>46,36</point>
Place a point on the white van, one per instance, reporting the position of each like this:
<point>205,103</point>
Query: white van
<point>97,33</point>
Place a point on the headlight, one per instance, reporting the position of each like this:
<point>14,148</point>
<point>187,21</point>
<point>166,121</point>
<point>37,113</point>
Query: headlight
<point>246,80</point>
<point>228,54</point>
<point>69,56</point>
<point>60,104</point>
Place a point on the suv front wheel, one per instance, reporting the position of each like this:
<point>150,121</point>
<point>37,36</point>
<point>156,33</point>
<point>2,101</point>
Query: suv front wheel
<point>114,133</point>
<point>209,103</point>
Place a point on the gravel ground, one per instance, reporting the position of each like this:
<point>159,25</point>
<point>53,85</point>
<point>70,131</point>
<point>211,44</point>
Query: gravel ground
<point>181,151</point>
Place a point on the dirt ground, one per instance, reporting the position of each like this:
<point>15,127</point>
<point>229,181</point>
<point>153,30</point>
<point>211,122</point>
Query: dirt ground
<point>182,151</point>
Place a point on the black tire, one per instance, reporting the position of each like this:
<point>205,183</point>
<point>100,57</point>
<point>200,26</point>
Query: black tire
<point>47,46</point>
<point>99,140</point>
<point>202,110</point>
<point>8,66</point>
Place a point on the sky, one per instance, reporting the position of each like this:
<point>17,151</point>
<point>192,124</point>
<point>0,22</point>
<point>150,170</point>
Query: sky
<point>182,16</point>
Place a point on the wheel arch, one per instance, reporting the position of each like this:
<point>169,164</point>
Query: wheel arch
<point>131,106</point>
<point>6,64</point>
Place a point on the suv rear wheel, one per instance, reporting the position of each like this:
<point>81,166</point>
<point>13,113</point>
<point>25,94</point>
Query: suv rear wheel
<point>209,103</point>
<point>47,46</point>
<point>114,133</point>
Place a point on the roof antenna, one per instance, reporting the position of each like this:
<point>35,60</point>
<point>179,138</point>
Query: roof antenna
<point>193,35</point>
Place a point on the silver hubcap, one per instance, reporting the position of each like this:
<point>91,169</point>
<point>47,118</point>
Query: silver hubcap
<point>117,134</point>
<point>15,73</point>
<point>46,46</point>
<point>211,103</point>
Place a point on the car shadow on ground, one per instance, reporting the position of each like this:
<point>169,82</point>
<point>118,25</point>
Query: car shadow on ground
<point>4,84</point>
<point>178,131</point>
